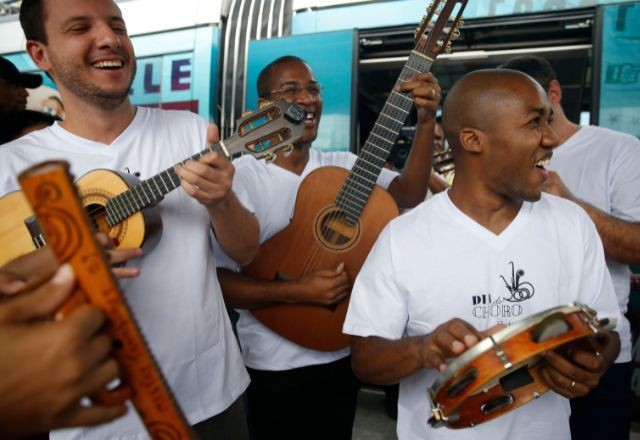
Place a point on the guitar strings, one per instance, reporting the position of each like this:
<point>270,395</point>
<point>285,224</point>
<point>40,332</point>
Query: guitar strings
<point>369,162</point>
<point>348,194</point>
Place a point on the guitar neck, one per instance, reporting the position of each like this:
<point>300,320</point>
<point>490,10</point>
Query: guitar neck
<point>151,190</point>
<point>356,190</point>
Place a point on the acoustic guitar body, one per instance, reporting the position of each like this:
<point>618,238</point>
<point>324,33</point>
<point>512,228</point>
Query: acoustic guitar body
<point>20,234</point>
<point>142,229</point>
<point>318,237</point>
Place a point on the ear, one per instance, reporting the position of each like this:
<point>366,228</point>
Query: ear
<point>38,53</point>
<point>472,139</point>
<point>554,92</point>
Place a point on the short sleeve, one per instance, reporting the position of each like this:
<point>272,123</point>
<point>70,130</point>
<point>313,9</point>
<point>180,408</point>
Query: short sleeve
<point>595,287</point>
<point>625,184</point>
<point>377,306</point>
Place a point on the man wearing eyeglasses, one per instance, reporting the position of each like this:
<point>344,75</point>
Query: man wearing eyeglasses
<point>297,392</point>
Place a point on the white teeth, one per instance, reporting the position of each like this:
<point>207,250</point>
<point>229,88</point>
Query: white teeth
<point>107,64</point>
<point>542,163</point>
<point>310,116</point>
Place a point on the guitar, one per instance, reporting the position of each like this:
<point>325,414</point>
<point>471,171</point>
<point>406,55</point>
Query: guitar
<point>124,207</point>
<point>339,214</point>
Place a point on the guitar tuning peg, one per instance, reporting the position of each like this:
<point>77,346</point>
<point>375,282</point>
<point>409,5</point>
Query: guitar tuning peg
<point>430,6</point>
<point>448,48</point>
<point>455,33</point>
<point>460,22</point>
<point>287,150</point>
<point>269,157</point>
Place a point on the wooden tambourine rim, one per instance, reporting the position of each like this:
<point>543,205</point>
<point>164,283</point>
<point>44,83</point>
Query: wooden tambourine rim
<point>502,335</point>
<point>493,344</point>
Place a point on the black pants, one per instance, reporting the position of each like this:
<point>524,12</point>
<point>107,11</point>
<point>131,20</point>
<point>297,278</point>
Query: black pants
<point>605,413</point>
<point>316,402</point>
<point>230,424</point>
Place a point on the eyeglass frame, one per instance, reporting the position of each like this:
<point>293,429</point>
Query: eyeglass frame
<point>297,89</point>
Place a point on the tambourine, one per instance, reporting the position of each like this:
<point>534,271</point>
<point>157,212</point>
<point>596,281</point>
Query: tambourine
<point>502,372</point>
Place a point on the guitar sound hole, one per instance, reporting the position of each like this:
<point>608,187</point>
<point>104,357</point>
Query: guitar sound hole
<point>98,217</point>
<point>335,231</point>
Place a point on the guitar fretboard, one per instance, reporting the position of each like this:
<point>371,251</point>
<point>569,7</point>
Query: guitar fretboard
<point>356,190</point>
<point>149,191</point>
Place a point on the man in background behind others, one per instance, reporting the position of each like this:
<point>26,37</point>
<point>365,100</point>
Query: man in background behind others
<point>14,85</point>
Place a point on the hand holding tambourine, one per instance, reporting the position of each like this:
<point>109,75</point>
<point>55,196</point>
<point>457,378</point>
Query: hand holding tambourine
<point>503,371</point>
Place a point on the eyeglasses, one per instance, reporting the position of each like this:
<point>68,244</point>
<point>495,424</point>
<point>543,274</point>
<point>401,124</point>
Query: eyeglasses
<point>291,91</point>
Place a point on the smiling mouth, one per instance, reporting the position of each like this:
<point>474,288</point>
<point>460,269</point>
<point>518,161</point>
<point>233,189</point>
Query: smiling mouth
<point>108,65</point>
<point>542,163</point>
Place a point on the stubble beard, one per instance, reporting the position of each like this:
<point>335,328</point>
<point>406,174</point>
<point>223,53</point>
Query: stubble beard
<point>68,75</point>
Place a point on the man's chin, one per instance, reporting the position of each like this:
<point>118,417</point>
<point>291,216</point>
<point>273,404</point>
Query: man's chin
<point>533,197</point>
<point>309,135</point>
<point>109,101</point>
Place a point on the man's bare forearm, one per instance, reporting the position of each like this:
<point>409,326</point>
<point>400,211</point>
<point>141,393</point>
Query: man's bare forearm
<point>621,239</point>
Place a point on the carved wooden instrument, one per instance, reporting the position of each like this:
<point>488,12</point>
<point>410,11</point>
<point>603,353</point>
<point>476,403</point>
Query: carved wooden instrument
<point>339,214</point>
<point>122,206</point>
<point>65,224</point>
<point>502,372</point>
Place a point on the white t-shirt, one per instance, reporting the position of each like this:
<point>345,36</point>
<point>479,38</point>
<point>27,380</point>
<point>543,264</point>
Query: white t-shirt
<point>270,192</point>
<point>435,263</point>
<point>176,299</point>
<point>602,167</point>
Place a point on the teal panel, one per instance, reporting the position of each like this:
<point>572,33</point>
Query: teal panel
<point>332,58</point>
<point>403,12</point>
<point>620,69</point>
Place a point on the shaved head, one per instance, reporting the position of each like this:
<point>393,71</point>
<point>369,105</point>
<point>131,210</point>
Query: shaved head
<point>478,100</point>
<point>498,125</point>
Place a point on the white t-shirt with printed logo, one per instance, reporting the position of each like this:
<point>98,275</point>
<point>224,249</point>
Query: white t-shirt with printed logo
<point>435,263</point>
<point>176,300</point>
<point>269,191</point>
<point>602,167</point>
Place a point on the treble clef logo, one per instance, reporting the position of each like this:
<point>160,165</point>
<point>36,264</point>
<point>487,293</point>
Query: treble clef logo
<point>519,291</point>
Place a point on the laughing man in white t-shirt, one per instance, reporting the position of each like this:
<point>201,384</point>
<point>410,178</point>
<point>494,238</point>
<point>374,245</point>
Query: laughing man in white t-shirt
<point>409,313</point>
<point>83,45</point>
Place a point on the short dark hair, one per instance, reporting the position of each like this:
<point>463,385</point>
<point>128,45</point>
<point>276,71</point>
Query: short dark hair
<point>537,68</point>
<point>264,77</point>
<point>32,18</point>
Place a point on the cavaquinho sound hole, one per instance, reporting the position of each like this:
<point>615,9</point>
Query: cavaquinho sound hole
<point>98,217</point>
<point>334,231</point>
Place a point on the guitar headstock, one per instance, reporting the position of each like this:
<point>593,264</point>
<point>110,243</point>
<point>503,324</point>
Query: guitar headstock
<point>274,126</point>
<point>439,27</point>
